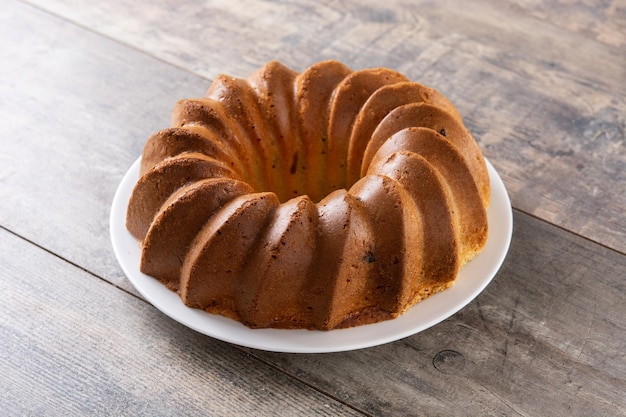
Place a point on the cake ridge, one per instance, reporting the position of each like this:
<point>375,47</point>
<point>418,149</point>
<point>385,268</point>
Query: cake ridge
<point>178,222</point>
<point>241,103</point>
<point>418,177</point>
<point>398,239</point>
<point>273,87</point>
<point>447,161</point>
<point>378,105</point>
<point>174,141</point>
<point>315,87</point>
<point>210,251</point>
<point>347,99</point>
<point>265,302</point>
<point>153,188</point>
<point>330,282</point>
<point>442,122</point>
<point>211,115</point>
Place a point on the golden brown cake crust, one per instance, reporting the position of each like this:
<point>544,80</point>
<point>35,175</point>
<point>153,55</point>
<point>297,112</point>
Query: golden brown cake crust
<point>324,199</point>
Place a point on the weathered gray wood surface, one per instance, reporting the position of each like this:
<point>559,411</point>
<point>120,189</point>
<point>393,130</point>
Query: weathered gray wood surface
<point>541,84</point>
<point>546,337</point>
<point>73,345</point>
<point>74,124</point>
<point>84,83</point>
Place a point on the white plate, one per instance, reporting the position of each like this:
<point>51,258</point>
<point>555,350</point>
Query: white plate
<point>474,277</point>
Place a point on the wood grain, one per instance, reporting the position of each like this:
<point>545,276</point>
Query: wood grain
<point>596,20</point>
<point>542,85</point>
<point>85,83</point>
<point>73,125</point>
<point>74,345</point>
<point>545,338</point>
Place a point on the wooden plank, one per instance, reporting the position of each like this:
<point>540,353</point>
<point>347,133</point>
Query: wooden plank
<point>541,84</point>
<point>77,110</point>
<point>545,112</point>
<point>71,344</point>
<point>545,338</point>
<point>598,20</point>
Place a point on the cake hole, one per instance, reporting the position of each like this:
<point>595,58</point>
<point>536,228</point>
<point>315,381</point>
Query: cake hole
<point>297,174</point>
<point>369,257</point>
<point>294,164</point>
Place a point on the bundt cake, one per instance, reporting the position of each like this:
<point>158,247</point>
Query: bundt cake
<point>324,199</point>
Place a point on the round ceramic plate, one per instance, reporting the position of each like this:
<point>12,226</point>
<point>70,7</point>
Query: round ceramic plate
<point>473,278</point>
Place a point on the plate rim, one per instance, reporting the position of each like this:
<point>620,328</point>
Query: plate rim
<point>127,253</point>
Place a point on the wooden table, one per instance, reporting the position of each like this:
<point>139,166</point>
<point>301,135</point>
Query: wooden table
<point>542,86</point>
